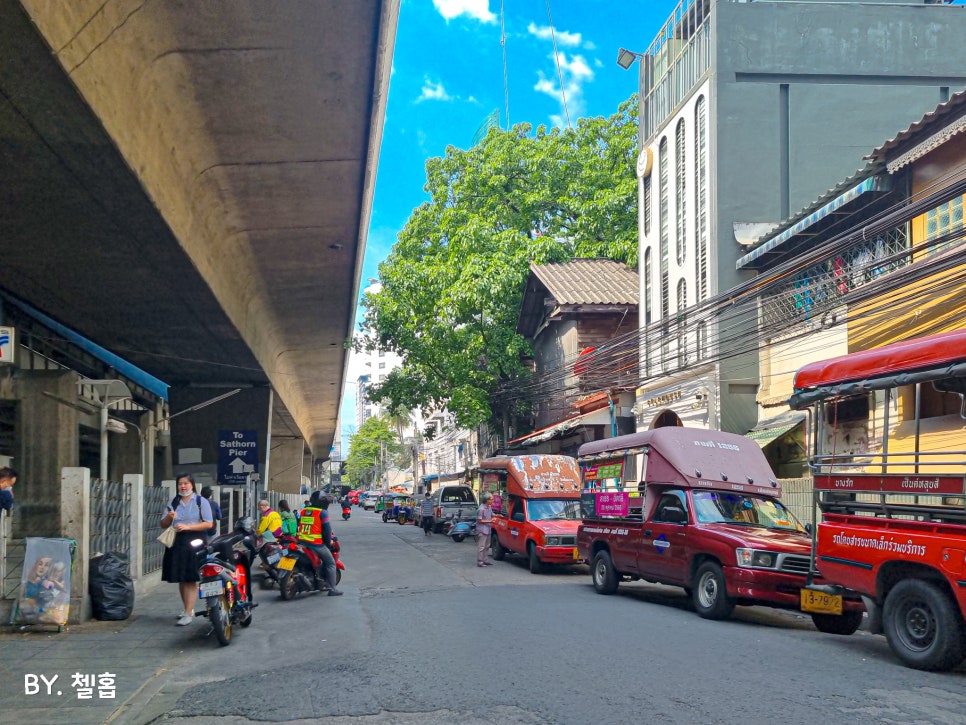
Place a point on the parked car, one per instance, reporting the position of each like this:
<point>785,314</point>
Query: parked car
<point>369,502</point>
<point>450,499</point>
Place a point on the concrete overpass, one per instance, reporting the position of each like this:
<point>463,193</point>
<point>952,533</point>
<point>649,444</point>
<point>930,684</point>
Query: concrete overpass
<point>189,184</point>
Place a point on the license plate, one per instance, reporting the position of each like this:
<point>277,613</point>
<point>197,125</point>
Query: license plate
<point>821,602</point>
<point>576,553</point>
<point>287,563</point>
<point>273,558</point>
<point>212,588</point>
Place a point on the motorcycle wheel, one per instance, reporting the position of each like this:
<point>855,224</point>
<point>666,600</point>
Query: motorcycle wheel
<point>345,517</point>
<point>338,575</point>
<point>221,622</point>
<point>458,537</point>
<point>287,586</point>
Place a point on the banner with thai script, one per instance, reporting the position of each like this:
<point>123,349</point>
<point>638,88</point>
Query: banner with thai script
<point>599,470</point>
<point>911,483</point>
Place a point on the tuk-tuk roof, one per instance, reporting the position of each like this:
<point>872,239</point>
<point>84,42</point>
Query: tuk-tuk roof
<point>919,360</point>
<point>691,457</point>
<point>538,475</point>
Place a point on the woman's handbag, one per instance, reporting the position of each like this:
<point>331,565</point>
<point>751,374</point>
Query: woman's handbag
<point>167,536</point>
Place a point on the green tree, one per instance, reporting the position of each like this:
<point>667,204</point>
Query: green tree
<point>374,446</point>
<point>453,283</point>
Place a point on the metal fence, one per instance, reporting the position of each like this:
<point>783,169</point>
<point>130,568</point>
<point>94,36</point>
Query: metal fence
<point>11,558</point>
<point>152,550</point>
<point>111,517</point>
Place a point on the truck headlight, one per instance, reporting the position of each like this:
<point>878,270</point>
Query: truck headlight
<point>552,541</point>
<point>756,559</point>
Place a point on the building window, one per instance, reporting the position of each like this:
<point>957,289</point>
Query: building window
<point>647,205</point>
<point>701,200</point>
<point>682,323</point>
<point>701,341</point>
<point>648,301</point>
<point>663,170</point>
<point>680,187</point>
<point>820,288</point>
<point>943,220</point>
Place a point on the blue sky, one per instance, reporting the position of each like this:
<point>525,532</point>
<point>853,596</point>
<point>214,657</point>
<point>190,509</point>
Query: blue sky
<point>448,77</point>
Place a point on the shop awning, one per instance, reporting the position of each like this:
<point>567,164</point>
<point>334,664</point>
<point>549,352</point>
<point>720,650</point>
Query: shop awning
<point>774,428</point>
<point>559,430</point>
<point>837,206</point>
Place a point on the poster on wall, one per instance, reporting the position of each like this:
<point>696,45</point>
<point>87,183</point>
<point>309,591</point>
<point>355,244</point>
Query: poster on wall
<point>45,583</point>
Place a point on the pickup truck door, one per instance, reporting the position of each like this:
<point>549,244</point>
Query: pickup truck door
<point>663,554</point>
<point>515,525</point>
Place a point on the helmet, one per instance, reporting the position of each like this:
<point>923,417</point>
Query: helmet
<point>315,500</point>
<point>246,524</point>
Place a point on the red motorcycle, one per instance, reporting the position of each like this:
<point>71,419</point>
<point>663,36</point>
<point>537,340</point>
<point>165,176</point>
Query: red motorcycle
<point>299,569</point>
<point>346,512</point>
<point>225,580</point>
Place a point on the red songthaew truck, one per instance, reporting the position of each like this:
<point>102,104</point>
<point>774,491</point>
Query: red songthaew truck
<point>888,456</point>
<point>538,509</point>
<point>698,509</point>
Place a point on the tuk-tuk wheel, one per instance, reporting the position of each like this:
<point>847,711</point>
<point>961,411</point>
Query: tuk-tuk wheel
<point>385,518</point>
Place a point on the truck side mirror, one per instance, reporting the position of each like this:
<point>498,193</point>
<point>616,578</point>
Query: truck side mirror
<point>674,515</point>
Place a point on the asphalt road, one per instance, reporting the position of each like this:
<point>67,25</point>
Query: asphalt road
<point>424,635</point>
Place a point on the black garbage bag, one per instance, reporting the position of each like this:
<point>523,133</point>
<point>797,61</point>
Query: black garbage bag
<point>110,587</point>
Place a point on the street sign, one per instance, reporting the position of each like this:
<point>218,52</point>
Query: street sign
<point>237,456</point>
<point>8,344</point>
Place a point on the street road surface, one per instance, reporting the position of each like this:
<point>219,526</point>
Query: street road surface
<point>423,635</point>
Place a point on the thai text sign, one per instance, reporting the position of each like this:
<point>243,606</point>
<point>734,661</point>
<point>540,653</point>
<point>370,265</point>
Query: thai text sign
<point>612,503</point>
<point>604,469</point>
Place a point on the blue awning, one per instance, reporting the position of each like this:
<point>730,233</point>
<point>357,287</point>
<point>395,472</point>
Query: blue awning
<point>873,183</point>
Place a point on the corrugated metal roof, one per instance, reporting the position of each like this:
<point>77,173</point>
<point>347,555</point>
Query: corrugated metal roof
<point>953,107</point>
<point>589,282</point>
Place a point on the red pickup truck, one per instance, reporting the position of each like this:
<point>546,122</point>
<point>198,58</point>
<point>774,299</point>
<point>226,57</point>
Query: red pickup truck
<point>698,509</point>
<point>537,510</point>
<point>893,505</point>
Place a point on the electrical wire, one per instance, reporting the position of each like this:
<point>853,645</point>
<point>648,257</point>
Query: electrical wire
<point>556,57</point>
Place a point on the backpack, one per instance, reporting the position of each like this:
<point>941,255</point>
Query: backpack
<point>215,516</point>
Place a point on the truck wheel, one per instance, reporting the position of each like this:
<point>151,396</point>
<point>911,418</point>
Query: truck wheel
<point>536,566</point>
<point>496,548</point>
<point>709,593</point>
<point>845,623</point>
<point>923,626</point>
<point>603,574</point>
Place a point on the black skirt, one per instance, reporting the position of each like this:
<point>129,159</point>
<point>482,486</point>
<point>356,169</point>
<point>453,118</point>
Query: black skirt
<point>181,560</point>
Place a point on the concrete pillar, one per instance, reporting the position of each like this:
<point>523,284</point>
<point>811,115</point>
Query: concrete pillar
<point>287,462</point>
<point>136,481</point>
<point>75,523</point>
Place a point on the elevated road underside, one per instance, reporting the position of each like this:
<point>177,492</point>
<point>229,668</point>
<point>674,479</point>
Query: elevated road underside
<point>189,184</point>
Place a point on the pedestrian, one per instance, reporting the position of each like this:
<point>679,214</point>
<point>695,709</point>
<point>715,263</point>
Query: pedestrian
<point>484,517</point>
<point>190,514</point>
<point>426,515</point>
<point>206,492</point>
<point>315,532</point>
<point>290,522</point>
<point>271,519</point>
<point>8,477</point>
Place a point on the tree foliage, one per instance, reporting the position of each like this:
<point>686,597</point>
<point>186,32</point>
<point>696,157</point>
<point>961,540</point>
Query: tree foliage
<point>372,447</point>
<point>453,283</point>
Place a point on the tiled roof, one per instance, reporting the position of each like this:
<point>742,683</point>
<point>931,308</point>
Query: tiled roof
<point>589,282</point>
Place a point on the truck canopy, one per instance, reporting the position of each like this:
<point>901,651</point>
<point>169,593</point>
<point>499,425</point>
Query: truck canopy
<point>538,475</point>
<point>920,360</point>
<point>693,457</point>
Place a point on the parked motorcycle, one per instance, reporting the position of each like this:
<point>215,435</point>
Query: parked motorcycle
<point>346,512</point>
<point>299,569</point>
<point>270,551</point>
<point>225,579</point>
<point>461,525</point>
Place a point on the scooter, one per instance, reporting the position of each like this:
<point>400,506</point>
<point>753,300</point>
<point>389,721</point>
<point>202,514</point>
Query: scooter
<point>460,528</point>
<point>225,580</point>
<point>269,550</point>
<point>346,512</point>
<point>299,569</point>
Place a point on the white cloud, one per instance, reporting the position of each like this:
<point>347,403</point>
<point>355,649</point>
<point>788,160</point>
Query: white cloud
<point>563,38</point>
<point>433,92</point>
<point>575,72</point>
<point>477,9</point>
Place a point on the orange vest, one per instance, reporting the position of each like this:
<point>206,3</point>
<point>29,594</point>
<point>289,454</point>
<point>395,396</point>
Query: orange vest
<point>310,526</point>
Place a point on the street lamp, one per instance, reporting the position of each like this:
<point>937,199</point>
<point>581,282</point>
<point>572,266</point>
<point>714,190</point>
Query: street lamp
<point>108,393</point>
<point>626,58</point>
